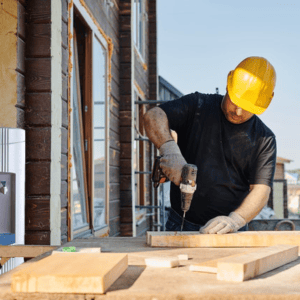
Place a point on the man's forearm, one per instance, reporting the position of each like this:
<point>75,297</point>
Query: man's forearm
<point>157,126</point>
<point>254,202</point>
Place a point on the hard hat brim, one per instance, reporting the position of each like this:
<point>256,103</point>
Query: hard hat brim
<point>240,102</point>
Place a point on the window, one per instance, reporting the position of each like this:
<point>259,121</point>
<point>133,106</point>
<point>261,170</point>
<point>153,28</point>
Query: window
<point>99,116</point>
<point>139,16</point>
<point>89,130</point>
<point>79,185</point>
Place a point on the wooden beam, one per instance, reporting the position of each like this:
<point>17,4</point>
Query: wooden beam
<point>246,266</point>
<point>239,239</point>
<point>24,250</point>
<point>82,273</point>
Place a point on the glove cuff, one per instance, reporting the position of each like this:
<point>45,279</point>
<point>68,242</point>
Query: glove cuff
<point>237,218</point>
<point>169,147</point>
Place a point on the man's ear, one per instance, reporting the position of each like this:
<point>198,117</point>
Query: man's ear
<point>272,96</point>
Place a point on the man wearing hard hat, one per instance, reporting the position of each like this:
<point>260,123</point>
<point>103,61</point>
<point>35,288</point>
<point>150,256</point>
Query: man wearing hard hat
<point>235,152</point>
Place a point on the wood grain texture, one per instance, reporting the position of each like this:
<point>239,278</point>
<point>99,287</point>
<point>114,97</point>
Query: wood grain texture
<point>38,40</point>
<point>40,149</point>
<point>239,239</point>
<point>246,266</point>
<point>38,178</point>
<point>37,214</point>
<point>38,75</point>
<point>34,237</point>
<point>71,273</point>
<point>24,251</point>
<point>38,109</point>
<point>39,11</point>
<point>211,266</point>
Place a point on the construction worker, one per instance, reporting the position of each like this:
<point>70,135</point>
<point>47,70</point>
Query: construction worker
<point>235,152</point>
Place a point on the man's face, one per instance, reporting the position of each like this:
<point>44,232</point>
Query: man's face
<point>233,113</point>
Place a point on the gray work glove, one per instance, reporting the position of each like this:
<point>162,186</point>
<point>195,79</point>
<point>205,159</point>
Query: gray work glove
<point>223,224</point>
<point>172,161</point>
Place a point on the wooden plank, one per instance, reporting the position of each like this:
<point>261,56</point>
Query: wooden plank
<point>38,40</point>
<point>64,193</point>
<point>34,237</point>
<point>38,178</point>
<point>114,227</point>
<point>40,147</point>
<point>71,273</point>
<point>250,265</point>
<point>64,167</point>
<point>21,56</point>
<point>37,211</point>
<point>21,20</point>
<point>64,221</point>
<point>114,191</point>
<point>114,209</point>
<point>211,266</point>
<point>126,182</point>
<point>64,140</point>
<point>20,118</point>
<point>38,110</point>
<point>25,250</point>
<point>114,157</point>
<point>21,90</point>
<point>38,74</point>
<point>126,151</point>
<point>162,262</point>
<point>39,11</point>
<point>239,239</point>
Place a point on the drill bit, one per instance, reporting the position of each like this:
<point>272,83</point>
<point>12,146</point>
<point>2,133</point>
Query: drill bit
<point>182,221</point>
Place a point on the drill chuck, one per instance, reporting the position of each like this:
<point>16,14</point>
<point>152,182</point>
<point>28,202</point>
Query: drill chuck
<point>188,186</point>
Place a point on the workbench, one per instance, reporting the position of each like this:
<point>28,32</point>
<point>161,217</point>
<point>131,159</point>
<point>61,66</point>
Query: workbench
<point>140,282</point>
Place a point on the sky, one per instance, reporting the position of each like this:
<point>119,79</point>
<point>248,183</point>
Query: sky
<point>200,41</point>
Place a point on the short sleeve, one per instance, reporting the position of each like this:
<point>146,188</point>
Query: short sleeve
<point>263,169</point>
<point>180,112</point>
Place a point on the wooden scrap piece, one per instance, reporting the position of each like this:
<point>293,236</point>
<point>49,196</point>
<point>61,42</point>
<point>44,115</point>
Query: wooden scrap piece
<point>71,273</point>
<point>211,266</point>
<point>238,239</point>
<point>162,262</point>
<point>24,250</point>
<point>249,265</point>
<point>183,257</point>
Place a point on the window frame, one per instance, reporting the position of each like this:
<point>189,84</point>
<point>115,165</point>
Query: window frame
<point>139,47</point>
<point>93,32</point>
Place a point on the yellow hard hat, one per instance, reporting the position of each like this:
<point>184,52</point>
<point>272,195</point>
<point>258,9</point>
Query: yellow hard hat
<point>251,84</point>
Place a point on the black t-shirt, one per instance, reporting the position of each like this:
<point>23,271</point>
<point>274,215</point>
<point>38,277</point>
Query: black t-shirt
<point>229,156</point>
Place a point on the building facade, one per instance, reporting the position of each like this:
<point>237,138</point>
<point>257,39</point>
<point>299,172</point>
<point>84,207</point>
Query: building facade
<point>72,71</point>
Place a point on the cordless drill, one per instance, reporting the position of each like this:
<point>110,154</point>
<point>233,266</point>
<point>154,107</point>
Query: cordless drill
<point>187,183</point>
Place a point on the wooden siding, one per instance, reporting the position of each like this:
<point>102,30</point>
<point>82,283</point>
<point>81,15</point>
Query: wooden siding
<point>21,45</point>
<point>38,122</point>
<point>37,56</point>
<point>126,155</point>
<point>64,129</point>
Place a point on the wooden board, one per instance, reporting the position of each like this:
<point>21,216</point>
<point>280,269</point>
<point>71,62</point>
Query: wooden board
<point>71,273</point>
<point>239,239</point>
<point>24,250</point>
<point>249,265</point>
<point>211,266</point>
<point>162,262</point>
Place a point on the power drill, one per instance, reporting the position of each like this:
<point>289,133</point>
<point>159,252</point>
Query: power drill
<point>187,184</point>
